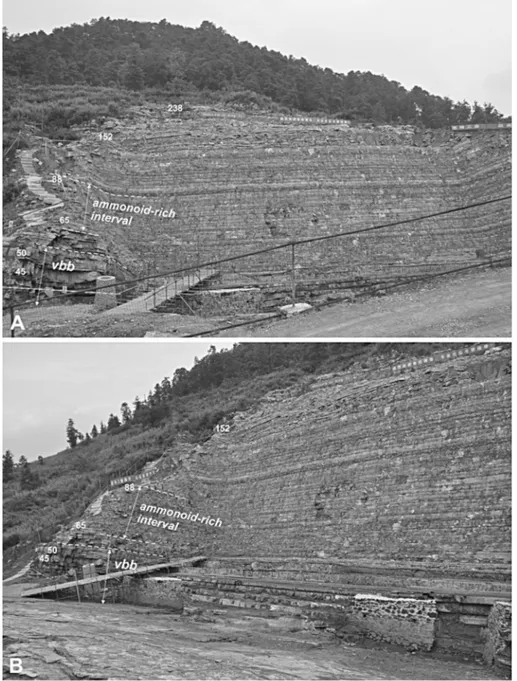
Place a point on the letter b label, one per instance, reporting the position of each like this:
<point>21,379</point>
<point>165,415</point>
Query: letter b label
<point>133,565</point>
<point>125,565</point>
<point>15,665</point>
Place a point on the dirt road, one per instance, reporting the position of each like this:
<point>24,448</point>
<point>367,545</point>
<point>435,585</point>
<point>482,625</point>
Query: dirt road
<point>65,640</point>
<point>472,305</point>
<point>477,304</point>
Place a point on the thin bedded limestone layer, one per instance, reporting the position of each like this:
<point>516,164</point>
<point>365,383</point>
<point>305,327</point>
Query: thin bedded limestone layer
<point>242,183</point>
<point>407,474</point>
<point>369,466</point>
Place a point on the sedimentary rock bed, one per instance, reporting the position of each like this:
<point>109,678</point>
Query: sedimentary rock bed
<point>382,467</point>
<point>240,182</point>
<point>373,500</point>
<point>161,195</point>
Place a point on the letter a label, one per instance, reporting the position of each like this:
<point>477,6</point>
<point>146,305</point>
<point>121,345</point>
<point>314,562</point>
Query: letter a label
<point>17,323</point>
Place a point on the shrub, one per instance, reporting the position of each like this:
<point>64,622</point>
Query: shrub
<point>11,190</point>
<point>63,134</point>
<point>113,109</point>
<point>11,540</point>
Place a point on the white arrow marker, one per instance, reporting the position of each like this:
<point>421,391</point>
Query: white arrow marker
<point>86,206</point>
<point>124,536</point>
<point>106,580</point>
<point>41,278</point>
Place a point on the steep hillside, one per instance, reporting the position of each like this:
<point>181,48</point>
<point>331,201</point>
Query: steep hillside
<point>387,464</point>
<point>182,409</point>
<point>162,57</point>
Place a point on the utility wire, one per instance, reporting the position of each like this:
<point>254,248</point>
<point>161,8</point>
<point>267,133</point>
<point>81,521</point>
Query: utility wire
<point>277,315</point>
<point>291,243</point>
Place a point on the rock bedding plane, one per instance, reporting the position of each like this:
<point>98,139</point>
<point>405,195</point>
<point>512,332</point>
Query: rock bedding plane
<point>390,479</point>
<point>240,182</point>
<point>381,457</point>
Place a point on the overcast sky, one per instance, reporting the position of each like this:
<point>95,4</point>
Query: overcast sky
<point>46,383</point>
<point>455,48</point>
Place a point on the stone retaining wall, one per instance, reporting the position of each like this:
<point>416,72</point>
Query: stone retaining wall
<point>498,648</point>
<point>406,621</point>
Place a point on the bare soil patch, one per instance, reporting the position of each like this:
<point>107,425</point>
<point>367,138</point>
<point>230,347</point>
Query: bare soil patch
<point>475,304</point>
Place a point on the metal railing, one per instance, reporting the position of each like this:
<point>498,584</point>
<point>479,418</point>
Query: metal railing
<point>291,269</point>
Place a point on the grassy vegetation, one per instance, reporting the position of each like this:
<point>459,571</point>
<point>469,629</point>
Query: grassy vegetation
<point>53,109</point>
<point>72,479</point>
<point>185,409</point>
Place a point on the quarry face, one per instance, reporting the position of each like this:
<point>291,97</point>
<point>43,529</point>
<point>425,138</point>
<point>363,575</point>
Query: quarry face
<point>259,198</point>
<point>353,525</point>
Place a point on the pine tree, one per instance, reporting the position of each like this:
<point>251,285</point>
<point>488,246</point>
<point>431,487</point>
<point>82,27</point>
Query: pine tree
<point>125,412</point>
<point>25,476</point>
<point>131,73</point>
<point>139,407</point>
<point>113,422</point>
<point>40,460</point>
<point>94,431</point>
<point>158,395</point>
<point>28,479</point>
<point>166,388</point>
<point>72,434</point>
<point>8,466</point>
<point>103,428</point>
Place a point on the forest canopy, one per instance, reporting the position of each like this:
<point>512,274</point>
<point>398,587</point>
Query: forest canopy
<point>139,56</point>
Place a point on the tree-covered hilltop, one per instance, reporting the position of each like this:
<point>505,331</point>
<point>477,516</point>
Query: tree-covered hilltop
<point>40,495</point>
<point>139,56</point>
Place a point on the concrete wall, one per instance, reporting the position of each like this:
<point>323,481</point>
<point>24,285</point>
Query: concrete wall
<point>473,626</point>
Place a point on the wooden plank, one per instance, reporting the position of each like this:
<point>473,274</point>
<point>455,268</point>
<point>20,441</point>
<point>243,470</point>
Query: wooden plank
<point>110,575</point>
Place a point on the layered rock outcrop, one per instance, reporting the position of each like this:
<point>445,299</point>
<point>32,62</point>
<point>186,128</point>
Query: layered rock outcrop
<point>239,183</point>
<point>406,463</point>
<point>217,184</point>
<point>48,248</point>
<point>374,465</point>
<point>367,500</point>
